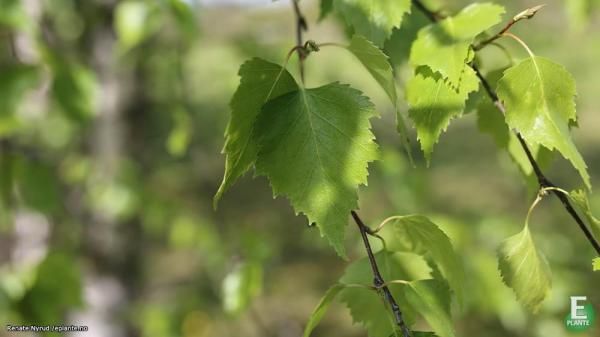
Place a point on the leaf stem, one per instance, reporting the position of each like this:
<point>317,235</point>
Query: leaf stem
<point>542,180</point>
<point>378,280</point>
<point>526,14</point>
<point>521,42</point>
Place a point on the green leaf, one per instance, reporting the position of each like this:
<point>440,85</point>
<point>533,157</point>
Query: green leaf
<point>241,286</point>
<point>431,298</point>
<point>131,22</point>
<point>373,19</point>
<point>38,185</point>
<point>418,234</point>
<point>378,65</point>
<point>16,81</point>
<point>326,6</point>
<point>376,62</point>
<point>315,146</point>
<point>491,121</point>
<point>321,308</point>
<point>57,289</point>
<point>397,47</point>
<point>525,269</point>
<point>74,89</point>
<point>539,99</point>
<point>433,103</point>
<point>260,81</point>
<point>445,46</point>
<point>596,264</point>
<point>581,201</point>
<point>367,306</point>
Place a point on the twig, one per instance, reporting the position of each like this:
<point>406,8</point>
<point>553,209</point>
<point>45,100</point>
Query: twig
<point>524,15</point>
<point>301,27</point>
<point>542,180</point>
<point>378,280</point>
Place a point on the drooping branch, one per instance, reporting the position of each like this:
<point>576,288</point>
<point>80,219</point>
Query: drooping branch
<point>378,280</point>
<point>542,180</point>
<point>379,283</point>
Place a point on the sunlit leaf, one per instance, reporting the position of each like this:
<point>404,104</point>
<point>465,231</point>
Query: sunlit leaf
<point>373,19</point>
<point>525,269</point>
<point>596,264</point>
<point>376,62</point>
<point>315,145</point>
<point>539,98</point>
<point>434,102</point>
<point>445,46</point>
<point>131,22</point>
<point>378,65</point>
<point>260,81</point>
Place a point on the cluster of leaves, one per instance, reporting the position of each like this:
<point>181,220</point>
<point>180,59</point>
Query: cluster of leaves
<point>410,240</point>
<point>314,145</point>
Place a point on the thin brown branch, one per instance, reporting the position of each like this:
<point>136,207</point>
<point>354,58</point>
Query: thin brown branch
<point>524,15</point>
<point>301,26</point>
<point>542,180</point>
<point>378,280</point>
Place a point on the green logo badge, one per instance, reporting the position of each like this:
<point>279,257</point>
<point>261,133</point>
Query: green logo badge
<point>581,317</point>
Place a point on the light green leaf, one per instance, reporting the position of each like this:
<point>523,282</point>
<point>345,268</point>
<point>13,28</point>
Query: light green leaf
<point>431,298</point>
<point>373,19</point>
<point>376,62</point>
<point>378,65</point>
<point>581,201</point>
<point>38,185</point>
<point>315,146</point>
<point>433,103</point>
<point>260,81</point>
<point>131,22</point>
<point>445,46</point>
<point>418,234</point>
<point>366,306</point>
<point>525,269</point>
<point>321,308</point>
<point>241,286</point>
<point>539,99</point>
<point>596,264</point>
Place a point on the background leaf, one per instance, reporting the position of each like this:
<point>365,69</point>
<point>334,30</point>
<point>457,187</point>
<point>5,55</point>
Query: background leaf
<point>373,19</point>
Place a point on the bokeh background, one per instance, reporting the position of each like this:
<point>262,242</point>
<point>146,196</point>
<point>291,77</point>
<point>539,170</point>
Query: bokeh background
<point>112,116</point>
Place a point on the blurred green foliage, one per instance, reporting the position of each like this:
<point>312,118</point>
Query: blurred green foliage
<point>111,122</point>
